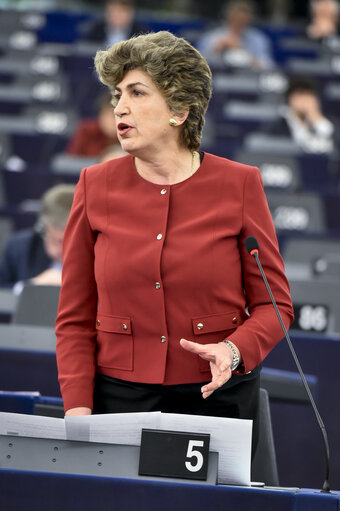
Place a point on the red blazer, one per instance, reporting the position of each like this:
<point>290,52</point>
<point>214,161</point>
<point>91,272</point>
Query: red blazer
<point>146,264</point>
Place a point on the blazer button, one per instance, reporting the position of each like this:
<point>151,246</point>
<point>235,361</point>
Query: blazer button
<point>234,320</point>
<point>163,191</point>
<point>124,326</point>
<point>163,338</point>
<point>98,322</point>
<point>200,326</point>
<point>159,236</point>
<point>157,285</point>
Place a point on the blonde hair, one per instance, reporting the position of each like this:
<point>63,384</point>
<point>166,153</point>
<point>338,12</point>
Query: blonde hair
<point>178,70</point>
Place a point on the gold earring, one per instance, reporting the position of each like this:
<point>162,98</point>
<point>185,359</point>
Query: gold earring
<point>172,122</point>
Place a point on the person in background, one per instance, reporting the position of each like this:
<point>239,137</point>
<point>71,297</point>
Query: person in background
<point>237,36</point>
<point>119,23</point>
<point>93,136</point>
<point>324,19</point>
<point>110,153</point>
<point>161,306</point>
<point>36,254</point>
<point>302,119</point>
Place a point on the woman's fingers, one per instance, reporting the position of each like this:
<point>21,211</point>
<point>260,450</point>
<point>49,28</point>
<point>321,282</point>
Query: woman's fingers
<point>217,381</point>
<point>220,358</point>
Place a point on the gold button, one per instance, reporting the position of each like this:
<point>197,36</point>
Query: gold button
<point>163,338</point>
<point>98,322</point>
<point>163,191</point>
<point>234,320</point>
<point>159,236</point>
<point>157,285</point>
<point>124,326</point>
<point>200,326</point>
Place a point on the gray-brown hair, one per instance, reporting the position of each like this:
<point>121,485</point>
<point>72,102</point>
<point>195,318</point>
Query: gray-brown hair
<point>178,70</point>
<point>56,205</point>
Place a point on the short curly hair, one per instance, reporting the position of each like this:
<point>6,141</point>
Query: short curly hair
<point>179,71</point>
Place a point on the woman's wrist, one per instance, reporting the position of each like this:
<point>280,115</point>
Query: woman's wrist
<point>236,360</point>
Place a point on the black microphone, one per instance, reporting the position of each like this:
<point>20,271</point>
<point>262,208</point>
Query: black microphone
<point>252,247</point>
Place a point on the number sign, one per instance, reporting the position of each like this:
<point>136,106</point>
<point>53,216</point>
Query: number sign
<point>174,454</point>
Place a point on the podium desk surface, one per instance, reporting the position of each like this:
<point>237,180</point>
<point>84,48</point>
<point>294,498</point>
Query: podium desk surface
<point>41,491</point>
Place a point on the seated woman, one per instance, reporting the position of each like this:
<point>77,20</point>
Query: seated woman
<point>92,136</point>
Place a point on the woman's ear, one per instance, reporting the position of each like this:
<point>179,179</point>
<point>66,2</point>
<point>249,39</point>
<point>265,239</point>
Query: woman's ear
<point>180,118</point>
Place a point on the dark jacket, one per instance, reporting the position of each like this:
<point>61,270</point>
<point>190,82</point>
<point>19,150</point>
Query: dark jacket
<point>99,31</point>
<point>24,257</point>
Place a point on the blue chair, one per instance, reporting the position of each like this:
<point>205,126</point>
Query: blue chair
<point>31,404</point>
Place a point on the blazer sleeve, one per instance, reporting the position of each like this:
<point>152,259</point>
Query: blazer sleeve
<point>75,324</point>
<point>258,335</point>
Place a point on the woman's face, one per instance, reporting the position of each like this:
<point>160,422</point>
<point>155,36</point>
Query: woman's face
<point>142,114</point>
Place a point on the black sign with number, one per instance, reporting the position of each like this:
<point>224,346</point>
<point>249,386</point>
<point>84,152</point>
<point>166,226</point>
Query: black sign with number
<point>311,317</point>
<point>174,454</point>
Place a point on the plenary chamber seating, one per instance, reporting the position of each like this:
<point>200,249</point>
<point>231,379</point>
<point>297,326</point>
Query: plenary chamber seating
<point>312,257</point>
<point>278,171</point>
<point>299,212</point>
<point>27,359</point>
<point>313,269</point>
<point>37,305</point>
<point>31,403</point>
<point>316,306</point>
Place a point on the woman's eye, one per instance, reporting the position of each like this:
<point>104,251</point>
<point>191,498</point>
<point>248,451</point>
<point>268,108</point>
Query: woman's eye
<point>137,92</point>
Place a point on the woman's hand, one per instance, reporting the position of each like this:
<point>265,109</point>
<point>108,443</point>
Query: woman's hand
<point>80,410</point>
<point>220,358</point>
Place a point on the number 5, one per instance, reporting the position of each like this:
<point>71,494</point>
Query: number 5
<point>192,453</point>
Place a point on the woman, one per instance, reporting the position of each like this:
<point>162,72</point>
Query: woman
<point>93,136</point>
<point>155,269</point>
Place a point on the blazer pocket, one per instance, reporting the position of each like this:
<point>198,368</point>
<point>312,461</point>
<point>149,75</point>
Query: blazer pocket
<point>114,342</point>
<point>214,328</point>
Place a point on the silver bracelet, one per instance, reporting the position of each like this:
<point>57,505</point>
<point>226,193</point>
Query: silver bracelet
<point>236,359</point>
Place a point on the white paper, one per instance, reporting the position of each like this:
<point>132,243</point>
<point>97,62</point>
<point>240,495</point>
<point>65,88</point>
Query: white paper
<point>111,428</point>
<point>36,426</point>
<point>231,438</point>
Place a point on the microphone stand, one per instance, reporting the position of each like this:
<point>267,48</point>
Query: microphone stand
<point>326,486</point>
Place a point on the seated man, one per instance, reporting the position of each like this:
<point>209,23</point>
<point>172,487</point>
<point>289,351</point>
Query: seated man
<point>119,23</point>
<point>302,120</point>
<point>36,254</point>
<point>237,36</point>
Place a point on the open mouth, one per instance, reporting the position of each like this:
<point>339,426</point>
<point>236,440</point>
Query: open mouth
<point>123,128</point>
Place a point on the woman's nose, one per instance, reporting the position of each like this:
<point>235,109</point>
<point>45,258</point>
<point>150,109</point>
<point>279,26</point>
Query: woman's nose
<point>122,107</point>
